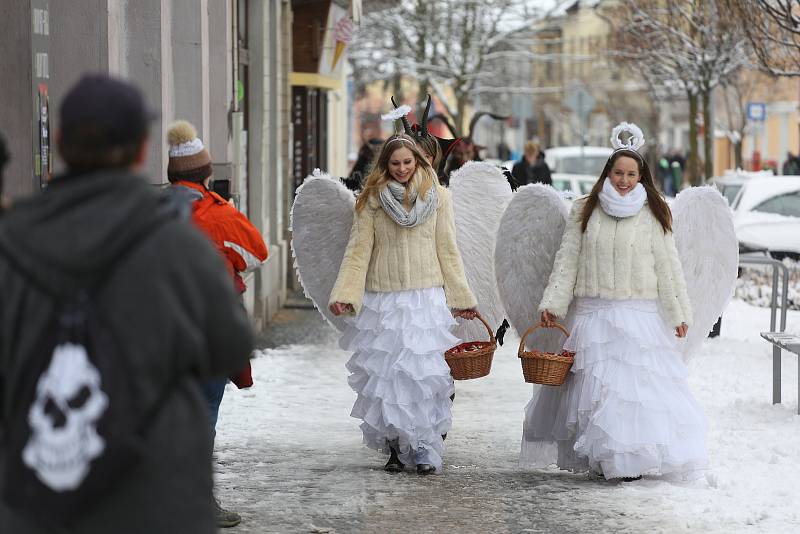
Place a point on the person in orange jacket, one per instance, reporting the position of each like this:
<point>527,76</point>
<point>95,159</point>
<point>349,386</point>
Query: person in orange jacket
<point>238,241</point>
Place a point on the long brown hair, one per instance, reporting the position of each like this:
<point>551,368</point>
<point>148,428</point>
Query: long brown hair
<point>656,202</point>
<point>423,179</point>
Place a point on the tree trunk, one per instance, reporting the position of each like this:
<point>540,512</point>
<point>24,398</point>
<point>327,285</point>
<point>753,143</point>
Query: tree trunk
<point>461,110</point>
<point>691,174</point>
<point>397,88</point>
<point>738,160</point>
<point>708,137</point>
<point>422,99</point>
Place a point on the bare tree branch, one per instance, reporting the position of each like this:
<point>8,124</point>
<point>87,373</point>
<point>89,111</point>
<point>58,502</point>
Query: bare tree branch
<point>773,29</point>
<point>461,44</point>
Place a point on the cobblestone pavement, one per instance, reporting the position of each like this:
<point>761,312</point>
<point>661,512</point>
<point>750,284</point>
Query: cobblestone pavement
<point>290,459</point>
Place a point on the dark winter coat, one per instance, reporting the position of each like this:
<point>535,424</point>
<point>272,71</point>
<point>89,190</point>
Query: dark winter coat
<point>170,303</point>
<point>526,174</point>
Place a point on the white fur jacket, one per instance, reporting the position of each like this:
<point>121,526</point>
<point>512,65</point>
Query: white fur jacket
<point>618,258</point>
<point>384,256</point>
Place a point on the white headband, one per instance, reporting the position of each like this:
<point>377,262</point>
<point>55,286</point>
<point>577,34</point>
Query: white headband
<point>400,139</point>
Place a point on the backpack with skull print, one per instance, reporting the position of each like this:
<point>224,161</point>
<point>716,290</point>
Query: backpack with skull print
<point>73,431</point>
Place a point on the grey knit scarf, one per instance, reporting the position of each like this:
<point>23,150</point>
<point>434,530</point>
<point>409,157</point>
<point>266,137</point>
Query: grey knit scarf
<point>392,197</point>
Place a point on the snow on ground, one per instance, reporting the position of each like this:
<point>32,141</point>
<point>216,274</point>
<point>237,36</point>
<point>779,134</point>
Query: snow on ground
<point>290,458</point>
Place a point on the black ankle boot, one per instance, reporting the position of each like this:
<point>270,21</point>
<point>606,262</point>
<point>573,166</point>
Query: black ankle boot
<point>394,465</point>
<point>425,469</point>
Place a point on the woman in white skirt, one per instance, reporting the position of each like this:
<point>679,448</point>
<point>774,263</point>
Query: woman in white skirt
<point>625,409</point>
<point>403,281</point>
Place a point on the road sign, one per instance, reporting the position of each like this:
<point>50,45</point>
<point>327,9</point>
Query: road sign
<point>580,101</point>
<point>756,111</point>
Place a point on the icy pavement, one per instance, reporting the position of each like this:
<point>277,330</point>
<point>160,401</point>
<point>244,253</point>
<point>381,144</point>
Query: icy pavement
<point>291,460</point>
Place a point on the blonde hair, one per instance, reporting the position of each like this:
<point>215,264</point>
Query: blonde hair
<point>423,179</point>
<point>530,147</point>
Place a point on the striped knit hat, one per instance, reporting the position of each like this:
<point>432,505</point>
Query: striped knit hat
<point>188,158</point>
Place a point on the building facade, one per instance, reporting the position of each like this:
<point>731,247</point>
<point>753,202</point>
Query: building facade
<point>222,64</point>
<point>573,46</point>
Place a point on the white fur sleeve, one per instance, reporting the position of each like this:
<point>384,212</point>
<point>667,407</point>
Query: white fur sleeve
<point>349,287</point>
<point>669,274</point>
<point>559,291</point>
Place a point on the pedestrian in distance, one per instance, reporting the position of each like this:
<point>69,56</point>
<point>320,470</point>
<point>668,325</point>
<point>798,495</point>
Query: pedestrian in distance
<point>626,409</point>
<point>791,167</point>
<point>402,281</point>
<point>113,310</point>
<point>238,242</point>
<point>532,169</point>
<point>665,177</point>
<point>362,166</point>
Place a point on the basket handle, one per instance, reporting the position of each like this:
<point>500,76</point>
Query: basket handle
<point>488,328</point>
<point>535,327</point>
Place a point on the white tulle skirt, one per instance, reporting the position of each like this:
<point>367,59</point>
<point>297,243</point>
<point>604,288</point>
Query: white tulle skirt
<point>625,409</point>
<point>399,372</point>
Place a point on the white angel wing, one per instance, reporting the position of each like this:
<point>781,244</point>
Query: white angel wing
<point>527,241</point>
<point>480,194</point>
<point>321,218</point>
<point>709,253</point>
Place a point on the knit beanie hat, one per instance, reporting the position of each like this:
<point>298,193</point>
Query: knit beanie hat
<point>188,158</point>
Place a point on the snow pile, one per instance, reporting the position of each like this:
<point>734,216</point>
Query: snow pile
<point>755,285</point>
<point>290,458</point>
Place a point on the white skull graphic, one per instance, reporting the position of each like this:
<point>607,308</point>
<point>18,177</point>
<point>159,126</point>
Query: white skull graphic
<point>63,417</point>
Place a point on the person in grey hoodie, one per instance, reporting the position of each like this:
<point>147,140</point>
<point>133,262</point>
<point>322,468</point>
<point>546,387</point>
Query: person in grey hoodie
<point>168,302</point>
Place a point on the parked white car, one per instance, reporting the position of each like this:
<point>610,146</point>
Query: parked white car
<point>766,215</point>
<point>730,183</point>
<point>576,160</point>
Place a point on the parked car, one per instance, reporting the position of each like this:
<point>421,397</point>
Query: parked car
<point>730,183</point>
<point>576,160</point>
<point>766,215</point>
<point>575,184</point>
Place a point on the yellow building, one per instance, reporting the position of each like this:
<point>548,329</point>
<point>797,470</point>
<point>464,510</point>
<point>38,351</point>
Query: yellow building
<point>768,140</point>
<point>572,42</point>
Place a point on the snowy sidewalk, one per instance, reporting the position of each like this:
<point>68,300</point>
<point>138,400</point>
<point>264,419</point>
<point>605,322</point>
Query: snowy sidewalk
<point>291,458</point>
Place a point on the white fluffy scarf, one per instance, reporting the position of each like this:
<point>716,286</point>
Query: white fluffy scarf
<point>392,197</point>
<point>621,206</point>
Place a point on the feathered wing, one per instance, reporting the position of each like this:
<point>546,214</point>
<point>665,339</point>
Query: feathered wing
<point>480,194</point>
<point>321,218</point>
<point>709,253</point>
<point>527,241</point>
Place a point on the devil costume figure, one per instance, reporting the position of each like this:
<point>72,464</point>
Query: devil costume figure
<point>454,152</point>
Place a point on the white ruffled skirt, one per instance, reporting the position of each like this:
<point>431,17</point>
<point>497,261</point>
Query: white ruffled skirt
<point>399,372</point>
<point>625,409</point>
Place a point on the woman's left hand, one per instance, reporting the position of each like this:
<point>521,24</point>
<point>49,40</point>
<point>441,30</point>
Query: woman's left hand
<point>468,314</point>
<point>680,331</point>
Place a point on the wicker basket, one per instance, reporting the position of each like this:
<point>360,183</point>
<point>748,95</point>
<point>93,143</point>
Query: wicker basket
<point>546,368</point>
<point>472,359</point>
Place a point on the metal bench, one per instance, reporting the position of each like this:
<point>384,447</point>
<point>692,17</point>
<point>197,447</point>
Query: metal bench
<point>790,342</point>
<point>779,339</point>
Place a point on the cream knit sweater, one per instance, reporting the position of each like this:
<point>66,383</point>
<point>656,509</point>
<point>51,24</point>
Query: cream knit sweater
<point>627,258</point>
<point>384,256</point>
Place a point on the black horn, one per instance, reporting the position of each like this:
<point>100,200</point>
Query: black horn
<point>406,124</point>
<point>424,122</point>
<point>478,116</point>
<point>443,118</point>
